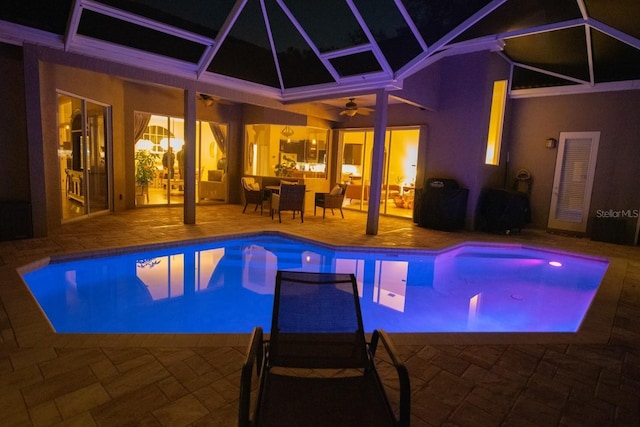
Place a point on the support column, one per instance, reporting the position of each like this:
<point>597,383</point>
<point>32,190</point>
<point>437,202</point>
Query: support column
<point>377,161</point>
<point>35,141</point>
<point>190,156</point>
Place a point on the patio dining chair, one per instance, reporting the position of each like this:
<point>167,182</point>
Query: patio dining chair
<point>317,369</point>
<point>253,194</point>
<point>290,197</point>
<point>332,200</point>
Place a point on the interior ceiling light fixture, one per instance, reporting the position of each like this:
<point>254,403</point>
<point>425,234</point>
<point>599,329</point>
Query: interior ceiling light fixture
<point>287,131</point>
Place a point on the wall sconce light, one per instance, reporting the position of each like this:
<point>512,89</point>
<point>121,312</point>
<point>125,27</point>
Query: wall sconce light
<point>551,143</point>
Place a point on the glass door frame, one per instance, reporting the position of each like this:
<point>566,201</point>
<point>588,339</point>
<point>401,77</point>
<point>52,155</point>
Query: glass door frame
<point>403,185</point>
<point>84,193</point>
<point>163,131</point>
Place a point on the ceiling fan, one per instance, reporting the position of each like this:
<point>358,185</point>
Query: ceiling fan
<point>207,100</point>
<point>351,109</point>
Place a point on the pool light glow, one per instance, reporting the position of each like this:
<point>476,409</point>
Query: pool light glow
<point>226,286</point>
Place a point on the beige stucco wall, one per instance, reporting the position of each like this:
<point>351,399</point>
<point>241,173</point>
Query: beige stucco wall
<point>13,126</point>
<point>613,114</point>
<point>458,128</point>
<point>95,87</point>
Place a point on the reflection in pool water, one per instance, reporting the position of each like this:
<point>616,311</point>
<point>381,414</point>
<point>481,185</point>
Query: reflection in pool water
<point>227,287</point>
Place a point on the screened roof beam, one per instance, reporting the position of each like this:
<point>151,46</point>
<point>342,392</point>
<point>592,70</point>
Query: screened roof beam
<point>616,34</point>
<point>16,34</point>
<point>330,68</point>
<point>144,22</point>
<point>465,25</point>
<point>377,53</point>
<point>210,53</point>
<point>72,24</point>
<point>444,42</point>
<point>583,9</point>
<point>412,25</point>
<point>589,52</point>
<point>132,57</point>
<point>352,86</point>
<point>551,73</point>
<point>274,51</point>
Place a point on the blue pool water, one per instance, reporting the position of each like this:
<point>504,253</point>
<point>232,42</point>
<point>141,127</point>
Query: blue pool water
<point>227,287</point>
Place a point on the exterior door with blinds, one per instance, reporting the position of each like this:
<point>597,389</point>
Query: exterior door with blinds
<point>573,181</point>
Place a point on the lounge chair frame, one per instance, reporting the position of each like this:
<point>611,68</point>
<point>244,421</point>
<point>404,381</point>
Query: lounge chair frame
<point>300,378</point>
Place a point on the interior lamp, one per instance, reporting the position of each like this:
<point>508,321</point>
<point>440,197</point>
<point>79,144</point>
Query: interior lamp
<point>287,132</point>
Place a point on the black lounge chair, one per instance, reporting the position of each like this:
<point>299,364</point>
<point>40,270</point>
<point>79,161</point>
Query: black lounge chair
<point>317,368</point>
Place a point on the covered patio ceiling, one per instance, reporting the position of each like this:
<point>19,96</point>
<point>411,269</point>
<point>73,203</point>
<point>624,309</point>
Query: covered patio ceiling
<point>301,50</point>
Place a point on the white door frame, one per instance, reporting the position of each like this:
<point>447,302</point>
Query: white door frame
<point>573,219</point>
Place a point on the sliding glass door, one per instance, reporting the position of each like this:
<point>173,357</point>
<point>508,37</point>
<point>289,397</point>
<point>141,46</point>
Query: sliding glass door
<point>398,174</point>
<point>160,152</point>
<point>83,147</point>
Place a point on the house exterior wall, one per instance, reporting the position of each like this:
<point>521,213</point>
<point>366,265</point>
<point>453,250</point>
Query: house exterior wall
<point>15,191</point>
<point>169,102</point>
<point>13,126</point>
<point>454,145</point>
<point>457,140</point>
<point>95,87</point>
<point>613,114</point>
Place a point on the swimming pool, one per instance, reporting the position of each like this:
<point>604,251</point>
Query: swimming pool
<point>226,286</point>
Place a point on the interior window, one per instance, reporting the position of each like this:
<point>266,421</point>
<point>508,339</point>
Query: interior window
<point>494,136</point>
<point>285,151</point>
<point>159,154</point>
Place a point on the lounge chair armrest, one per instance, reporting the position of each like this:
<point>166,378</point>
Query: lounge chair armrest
<point>403,374</point>
<point>254,357</point>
